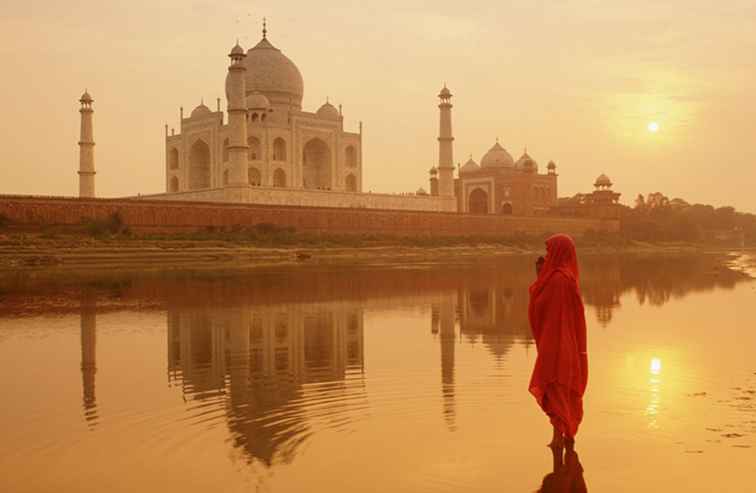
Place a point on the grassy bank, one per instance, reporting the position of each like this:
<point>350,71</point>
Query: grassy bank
<point>110,244</point>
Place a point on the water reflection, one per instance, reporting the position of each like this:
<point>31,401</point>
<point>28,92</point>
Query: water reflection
<point>260,362</point>
<point>566,475</point>
<point>278,356</point>
<point>88,323</point>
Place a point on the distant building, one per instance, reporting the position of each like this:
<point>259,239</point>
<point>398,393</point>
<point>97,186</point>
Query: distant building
<point>500,185</point>
<point>602,203</point>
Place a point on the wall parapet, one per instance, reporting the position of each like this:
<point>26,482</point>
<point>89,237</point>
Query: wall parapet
<point>312,198</point>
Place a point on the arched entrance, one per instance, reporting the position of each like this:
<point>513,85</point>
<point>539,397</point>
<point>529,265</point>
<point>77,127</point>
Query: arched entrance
<point>173,159</point>
<point>253,176</point>
<point>316,165</point>
<point>506,208</point>
<point>478,202</point>
<point>199,166</point>
<point>279,178</point>
<point>351,183</point>
<point>174,187</point>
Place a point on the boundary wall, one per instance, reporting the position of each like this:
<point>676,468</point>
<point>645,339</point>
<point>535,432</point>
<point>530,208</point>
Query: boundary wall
<point>143,215</point>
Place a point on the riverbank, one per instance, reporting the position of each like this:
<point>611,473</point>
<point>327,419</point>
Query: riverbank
<point>260,247</point>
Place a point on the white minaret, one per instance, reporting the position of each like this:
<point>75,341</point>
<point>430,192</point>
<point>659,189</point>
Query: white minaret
<point>445,146</point>
<point>86,148</point>
<point>236,95</point>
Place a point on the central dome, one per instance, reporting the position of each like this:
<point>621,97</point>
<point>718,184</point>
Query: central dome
<point>273,74</point>
<point>497,157</point>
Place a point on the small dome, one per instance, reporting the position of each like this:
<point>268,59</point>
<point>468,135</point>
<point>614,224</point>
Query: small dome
<point>86,98</point>
<point>200,111</point>
<point>328,112</point>
<point>434,171</point>
<point>603,181</point>
<point>257,101</point>
<point>469,166</point>
<point>526,163</point>
<point>445,92</point>
<point>497,156</point>
<point>551,165</point>
<point>237,50</point>
<point>421,191</point>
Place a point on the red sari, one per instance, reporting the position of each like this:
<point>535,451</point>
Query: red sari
<point>557,319</point>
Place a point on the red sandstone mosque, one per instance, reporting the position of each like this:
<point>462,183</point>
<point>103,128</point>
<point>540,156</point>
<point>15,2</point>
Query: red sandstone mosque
<point>266,149</point>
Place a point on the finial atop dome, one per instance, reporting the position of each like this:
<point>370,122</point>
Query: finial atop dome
<point>265,28</point>
<point>86,98</point>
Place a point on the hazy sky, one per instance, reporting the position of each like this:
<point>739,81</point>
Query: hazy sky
<point>575,81</point>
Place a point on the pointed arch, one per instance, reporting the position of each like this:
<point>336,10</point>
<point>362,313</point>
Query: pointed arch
<point>279,149</point>
<point>253,175</point>
<point>279,178</point>
<point>350,157</point>
<point>255,151</point>
<point>478,202</point>
<point>173,158</point>
<point>225,150</point>
<point>173,185</point>
<point>350,183</point>
<point>225,177</point>
<point>316,165</point>
<point>199,165</point>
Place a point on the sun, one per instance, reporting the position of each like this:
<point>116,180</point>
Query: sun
<point>653,127</point>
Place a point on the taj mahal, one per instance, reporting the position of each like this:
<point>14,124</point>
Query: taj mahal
<point>266,149</point>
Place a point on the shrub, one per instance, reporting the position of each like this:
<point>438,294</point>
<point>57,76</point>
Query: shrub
<point>112,225</point>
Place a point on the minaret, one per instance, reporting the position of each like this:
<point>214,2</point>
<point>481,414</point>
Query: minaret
<point>445,147</point>
<point>236,95</point>
<point>86,148</point>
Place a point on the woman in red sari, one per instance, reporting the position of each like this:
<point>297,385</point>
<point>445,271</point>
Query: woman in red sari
<point>557,319</point>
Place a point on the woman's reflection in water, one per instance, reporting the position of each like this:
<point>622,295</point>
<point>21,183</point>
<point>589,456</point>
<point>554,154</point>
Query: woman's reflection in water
<point>567,476</point>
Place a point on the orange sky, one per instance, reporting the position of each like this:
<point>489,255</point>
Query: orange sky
<point>575,81</point>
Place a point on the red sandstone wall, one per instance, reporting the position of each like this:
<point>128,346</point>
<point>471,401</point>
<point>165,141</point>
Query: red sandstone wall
<point>145,215</point>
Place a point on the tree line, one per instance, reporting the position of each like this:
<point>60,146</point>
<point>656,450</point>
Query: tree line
<point>658,218</point>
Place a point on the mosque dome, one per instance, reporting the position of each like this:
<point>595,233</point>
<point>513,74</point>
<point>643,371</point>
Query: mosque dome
<point>469,166</point>
<point>551,165</point>
<point>328,112</point>
<point>421,191</point>
<point>273,74</point>
<point>603,181</point>
<point>86,98</point>
<point>497,156</point>
<point>445,92</point>
<point>257,101</point>
<point>526,163</point>
<point>434,171</point>
<point>200,111</point>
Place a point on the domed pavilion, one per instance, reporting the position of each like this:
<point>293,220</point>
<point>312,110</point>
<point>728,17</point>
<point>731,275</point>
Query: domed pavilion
<point>501,185</point>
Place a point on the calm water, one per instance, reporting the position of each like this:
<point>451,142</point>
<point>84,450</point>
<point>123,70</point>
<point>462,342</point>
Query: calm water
<point>381,378</point>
